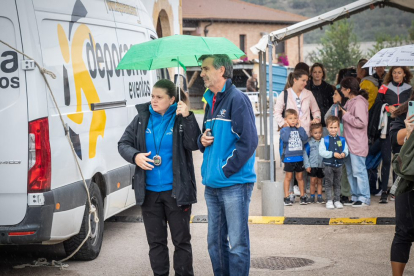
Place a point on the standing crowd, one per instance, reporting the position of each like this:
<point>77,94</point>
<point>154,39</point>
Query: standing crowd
<point>337,136</point>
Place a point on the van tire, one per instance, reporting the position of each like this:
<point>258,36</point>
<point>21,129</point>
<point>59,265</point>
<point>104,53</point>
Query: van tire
<point>91,248</point>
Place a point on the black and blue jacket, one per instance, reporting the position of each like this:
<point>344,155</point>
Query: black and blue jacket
<point>230,159</point>
<point>328,148</point>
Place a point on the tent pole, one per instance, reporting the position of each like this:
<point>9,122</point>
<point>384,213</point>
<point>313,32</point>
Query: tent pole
<point>272,163</point>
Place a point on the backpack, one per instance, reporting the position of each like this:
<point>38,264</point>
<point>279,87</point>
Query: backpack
<point>307,148</point>
<point>285,98</point>
<point>281,146</point>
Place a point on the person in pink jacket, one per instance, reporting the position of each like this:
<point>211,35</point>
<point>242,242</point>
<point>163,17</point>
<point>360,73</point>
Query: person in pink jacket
<point>355,120</point>
<point>300,99</point>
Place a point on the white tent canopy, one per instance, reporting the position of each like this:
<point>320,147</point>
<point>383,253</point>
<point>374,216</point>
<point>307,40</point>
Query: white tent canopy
<point>329,18</point>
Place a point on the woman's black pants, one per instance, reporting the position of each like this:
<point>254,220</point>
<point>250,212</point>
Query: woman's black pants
<point>404,229</point>
<point>158,209</point>
<point>383,145</point>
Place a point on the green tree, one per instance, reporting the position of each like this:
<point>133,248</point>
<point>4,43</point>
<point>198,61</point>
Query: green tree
<point>339,50</point>
<point>386,41</point>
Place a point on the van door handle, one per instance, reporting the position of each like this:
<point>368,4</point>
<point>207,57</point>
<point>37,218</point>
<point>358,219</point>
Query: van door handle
<point>107,105</point>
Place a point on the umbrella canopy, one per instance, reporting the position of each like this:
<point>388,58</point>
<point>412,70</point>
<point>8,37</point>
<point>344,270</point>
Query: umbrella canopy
<point>178,49</point>
<point>396,56</point>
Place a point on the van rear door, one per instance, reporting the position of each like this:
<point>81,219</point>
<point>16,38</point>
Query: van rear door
<point>13,121</point>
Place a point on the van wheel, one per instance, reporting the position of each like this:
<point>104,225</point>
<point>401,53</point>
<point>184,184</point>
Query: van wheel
<point>91,248</point>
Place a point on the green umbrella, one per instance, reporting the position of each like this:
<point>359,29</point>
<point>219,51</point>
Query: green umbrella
<point>171,51</point>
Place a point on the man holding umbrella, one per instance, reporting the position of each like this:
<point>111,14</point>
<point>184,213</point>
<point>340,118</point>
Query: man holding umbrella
<point>229,141</point>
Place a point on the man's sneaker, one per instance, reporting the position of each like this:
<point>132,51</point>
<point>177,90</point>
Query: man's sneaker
<point>384,198</point>
<point>296,190</point>
<point>287,201</point>
<point>338,205</point>
<point>320,200</point>
<point>292,198</point>
<point>330,204</point>
<point>349,203</point>
<point>303,200</point>
<point>392,198</point>
<point>358,204</point>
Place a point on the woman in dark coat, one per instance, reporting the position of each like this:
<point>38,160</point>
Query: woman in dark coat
<point>159,142</point>
<point>400,131</point>
<point>321,90</point>
<point>395,91</point>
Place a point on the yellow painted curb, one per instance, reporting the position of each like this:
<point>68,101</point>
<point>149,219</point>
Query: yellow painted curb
<point>266,220</point>
<point>353,221</point>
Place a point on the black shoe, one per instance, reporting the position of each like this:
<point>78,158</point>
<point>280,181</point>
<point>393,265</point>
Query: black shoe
<point>384,197</point>
<point>359,204</point>
<point>346,201</point>
<point>303,200</point>
<point>287,201</point>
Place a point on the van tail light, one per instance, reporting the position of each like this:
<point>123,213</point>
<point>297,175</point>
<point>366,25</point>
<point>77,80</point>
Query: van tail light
<point>22,233</point>
<point>39,157</point>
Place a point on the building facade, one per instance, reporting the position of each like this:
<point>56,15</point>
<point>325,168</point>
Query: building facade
<point>242,23</point>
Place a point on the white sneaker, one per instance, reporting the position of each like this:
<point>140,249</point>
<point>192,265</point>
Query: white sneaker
<point>330,205</point>
<point>379,193</point>
<point>296,190</point>
<point>338,205</point>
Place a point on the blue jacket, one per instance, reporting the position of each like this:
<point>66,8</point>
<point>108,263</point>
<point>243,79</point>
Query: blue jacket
<point>292,140</point>
<point>160,178</point>
<point>329,146</point>
<point>230,159</point>
<point>311,157</point>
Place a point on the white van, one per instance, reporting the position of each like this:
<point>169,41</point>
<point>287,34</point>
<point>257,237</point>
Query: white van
<point>42,197</point>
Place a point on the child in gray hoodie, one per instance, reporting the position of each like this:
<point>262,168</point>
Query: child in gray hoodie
<point>313,163</point>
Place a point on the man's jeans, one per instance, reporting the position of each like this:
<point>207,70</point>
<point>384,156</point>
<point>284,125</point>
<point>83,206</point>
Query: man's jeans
<point>358,178</point>
<point>228,212</point>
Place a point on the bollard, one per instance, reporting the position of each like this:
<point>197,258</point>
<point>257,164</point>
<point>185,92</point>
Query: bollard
<point>263,152</point>
<point>263,171</point>
<point>272,199</point>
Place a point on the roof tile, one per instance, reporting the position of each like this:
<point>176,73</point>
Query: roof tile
<point>235,10</point>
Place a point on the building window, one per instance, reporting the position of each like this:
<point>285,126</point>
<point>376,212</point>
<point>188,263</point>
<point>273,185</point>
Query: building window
<point>243,43</point>
<point>280,48</point>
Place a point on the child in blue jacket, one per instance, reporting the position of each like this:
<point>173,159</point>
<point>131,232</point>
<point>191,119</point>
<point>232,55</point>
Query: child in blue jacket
<point>293,137</point>
<point>313,163</point>
<point>333,149</point>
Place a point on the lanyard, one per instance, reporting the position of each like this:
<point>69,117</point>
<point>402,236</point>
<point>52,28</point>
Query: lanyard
<point>153,135</point>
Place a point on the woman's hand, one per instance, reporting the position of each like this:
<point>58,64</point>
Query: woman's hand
<point>392,108</point>
<point>182,109</point>
<point>409,125</point>
<point>142,161</point>
<point>315,121</point>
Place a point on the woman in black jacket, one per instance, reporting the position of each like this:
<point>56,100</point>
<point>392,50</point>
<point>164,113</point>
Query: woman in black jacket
<point>401,129</point>
<point>159,142</point>
<point>395,91</point>
<point>321,90</point>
